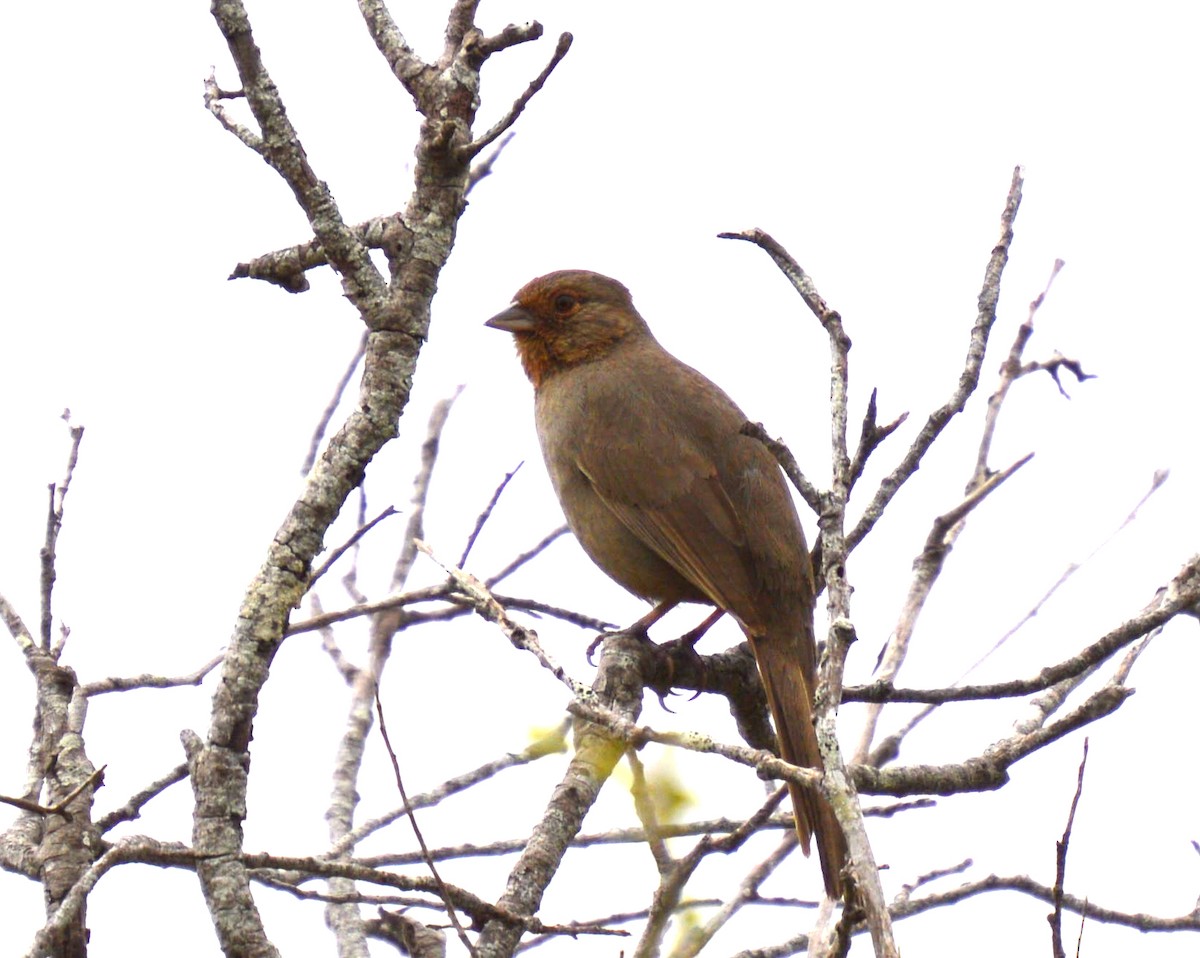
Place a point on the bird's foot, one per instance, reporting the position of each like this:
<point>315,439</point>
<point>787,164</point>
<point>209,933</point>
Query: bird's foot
<point>686,644</point>
<point>682,662</point>
<point>640,629</point>
<point>634,630</point>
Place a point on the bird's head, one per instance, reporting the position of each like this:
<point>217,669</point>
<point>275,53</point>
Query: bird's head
<point>566,318</point>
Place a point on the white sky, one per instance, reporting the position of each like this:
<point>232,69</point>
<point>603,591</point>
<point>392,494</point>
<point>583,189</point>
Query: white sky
<point>875,141</point>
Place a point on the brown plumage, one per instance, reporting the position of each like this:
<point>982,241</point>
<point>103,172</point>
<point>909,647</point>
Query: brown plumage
<point>667,497</point>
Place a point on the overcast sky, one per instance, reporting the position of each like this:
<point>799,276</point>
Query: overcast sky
<point>875,141</point>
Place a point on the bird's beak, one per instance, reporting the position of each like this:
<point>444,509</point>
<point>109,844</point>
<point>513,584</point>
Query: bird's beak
<point>515,319</point>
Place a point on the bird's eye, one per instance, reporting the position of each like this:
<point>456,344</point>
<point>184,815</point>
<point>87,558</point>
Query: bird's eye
<point>564,304</point>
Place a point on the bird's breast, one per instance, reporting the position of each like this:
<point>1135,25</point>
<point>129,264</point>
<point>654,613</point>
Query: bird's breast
<point>568,423</point>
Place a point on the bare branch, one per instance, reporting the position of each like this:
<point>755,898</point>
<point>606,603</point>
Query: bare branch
<point>349,544</point>
<point>96,779</point>
<point>929,877</point>
<point>281,149</point>
<point>1027,886</point>
<point>416,513</point>
<point>404,63</point>
<point>643,805</point>
<point>442,592</point>
<point>485,604</point>
<point>345,919</point>
<point>137,848</point>
<point>132,808</point>
<point>795,274</point>
<point>619,688</point>
<point>550,744</point>
<point>443,892</point>
<point>989,771</point>
<point>871,437</point>
<point>560,50</point>
<point>486,514</point>
<point>397,314</point>
<point>483,169</point>
<point>1157,481</point>
<point>968,380</point>
<point>147,681</point>
<point>314,447</point>
<point>286,267</point>
<point>1056,363</point>
<point>810,493</point>
<point>836,786</point>
<point>525,557</point>
<point>1060,869</point>
<point>54,519</point>
<point>944,534</point>
<point>696,938</point>
<point>213,95</point>
<point>15,625</point>
<point>778,821</point>
<point>1010,371</point>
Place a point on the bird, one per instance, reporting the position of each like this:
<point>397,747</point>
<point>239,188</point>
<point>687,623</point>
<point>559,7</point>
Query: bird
<point>669,498</point>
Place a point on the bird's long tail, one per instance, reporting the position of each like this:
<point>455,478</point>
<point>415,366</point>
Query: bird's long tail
<point>790,696</point>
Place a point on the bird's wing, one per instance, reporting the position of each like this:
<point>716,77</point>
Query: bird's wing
<point>666,488</point>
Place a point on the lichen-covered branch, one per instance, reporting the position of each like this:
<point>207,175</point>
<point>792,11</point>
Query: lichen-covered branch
<point>396,314</point>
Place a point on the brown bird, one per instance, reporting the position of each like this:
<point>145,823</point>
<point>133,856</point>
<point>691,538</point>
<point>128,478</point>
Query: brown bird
<point>667,496</point>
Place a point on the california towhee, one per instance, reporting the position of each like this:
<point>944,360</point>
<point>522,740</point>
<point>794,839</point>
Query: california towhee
<point>667,496</point>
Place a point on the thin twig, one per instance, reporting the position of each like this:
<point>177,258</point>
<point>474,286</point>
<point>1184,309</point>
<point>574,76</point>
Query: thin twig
<point>554,742</point>
<point>147,681</point>
<point>318,436</point>
<point>694,939</point>
<point>483,169</point>
<point>412,820</point>
<point>350,577</point>
<point>54,519</point>
<point>777,821</point>
<point>486,605</point>
<point>928,567</point>
<point>1010,371</point>
<point>968,379</point>
<point>1160,477</point>
<point>59,807</point>
<point>486,514</point>
<point>480,143</point>
<point>415,529</point>
<point>1060,864</point>
<point>524,557</point>
<point>836,785</point>
<point>133,806</point>
<point>348,670</point>
<point>341,550</point>
<point>787,462</point>
<point>643,804</point>
<point>1027,886</point>
<point>442,593</point>
<point>871,437</point>
<point>16,625</point>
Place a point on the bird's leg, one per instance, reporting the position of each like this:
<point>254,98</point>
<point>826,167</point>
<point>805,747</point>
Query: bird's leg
<point>691,638</point>
<point>685,646</point>
<point>640,628</point>
<point>688,641</point>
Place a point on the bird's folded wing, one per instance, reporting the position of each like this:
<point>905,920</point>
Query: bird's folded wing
<point>689,520</point>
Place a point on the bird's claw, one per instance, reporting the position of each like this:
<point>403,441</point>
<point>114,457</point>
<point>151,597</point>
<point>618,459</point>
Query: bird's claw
<point>638,633</point>
<point>687,649</point>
